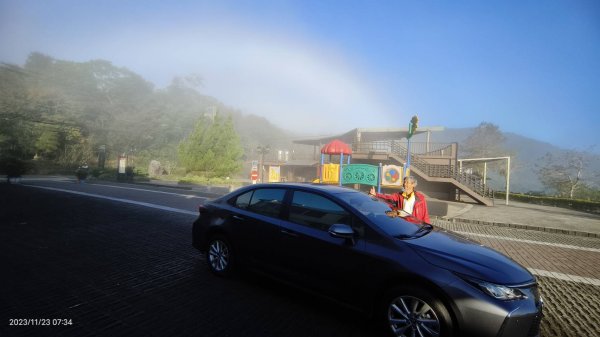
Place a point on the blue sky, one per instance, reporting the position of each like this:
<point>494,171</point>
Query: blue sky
<point>323,67</point>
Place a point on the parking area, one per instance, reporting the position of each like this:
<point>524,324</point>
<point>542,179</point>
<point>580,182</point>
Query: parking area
<point>567,268</point>
<point>121,269</point>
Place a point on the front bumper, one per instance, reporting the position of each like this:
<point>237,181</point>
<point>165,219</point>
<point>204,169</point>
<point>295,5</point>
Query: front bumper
<point>480,315</point>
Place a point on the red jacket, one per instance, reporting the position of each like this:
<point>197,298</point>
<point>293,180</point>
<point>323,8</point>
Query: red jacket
<point>397,201</point>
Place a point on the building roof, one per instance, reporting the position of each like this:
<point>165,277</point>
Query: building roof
<point>367,135</point>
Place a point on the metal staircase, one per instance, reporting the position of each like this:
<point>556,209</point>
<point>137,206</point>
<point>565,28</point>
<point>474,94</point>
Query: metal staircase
<point>468,183</point>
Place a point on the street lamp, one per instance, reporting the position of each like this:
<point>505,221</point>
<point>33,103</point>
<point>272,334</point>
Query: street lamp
<point>262,150</point>
<point>412,126</point>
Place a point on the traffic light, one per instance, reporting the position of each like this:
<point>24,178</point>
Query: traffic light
<point>412,126</point>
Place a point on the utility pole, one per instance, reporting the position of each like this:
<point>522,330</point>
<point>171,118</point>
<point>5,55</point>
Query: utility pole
<point>262,150</point>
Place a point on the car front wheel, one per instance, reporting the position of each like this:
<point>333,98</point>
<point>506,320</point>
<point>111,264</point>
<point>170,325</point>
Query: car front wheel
<point>219,256</point>
<point>411,311</point>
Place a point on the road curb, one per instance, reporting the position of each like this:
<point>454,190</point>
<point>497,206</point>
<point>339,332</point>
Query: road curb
<point>521,226</point>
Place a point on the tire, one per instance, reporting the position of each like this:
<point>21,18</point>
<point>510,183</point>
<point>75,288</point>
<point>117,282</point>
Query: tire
<point>219,256</point>
<point>411,311</point>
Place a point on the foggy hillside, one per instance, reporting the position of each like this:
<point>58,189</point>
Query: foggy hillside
<point>60,110</point>
<point>525,153</point>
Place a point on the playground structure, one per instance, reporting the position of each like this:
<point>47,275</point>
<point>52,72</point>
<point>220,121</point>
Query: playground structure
<point>390,176</point>
<point>435,165</point>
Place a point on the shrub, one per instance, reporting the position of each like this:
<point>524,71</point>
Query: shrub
<point>576,204</point>
<point>203,180</point>
<point>13,167</point>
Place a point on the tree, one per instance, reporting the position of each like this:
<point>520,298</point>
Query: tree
<point>47,143</point>
<point>64,111</point>
<point>16,136</point>
<point>212,148</point>
<point>563,173</point>
<point>485,141</point>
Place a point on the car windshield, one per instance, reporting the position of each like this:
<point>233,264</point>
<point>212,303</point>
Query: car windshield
<point>380,214</point>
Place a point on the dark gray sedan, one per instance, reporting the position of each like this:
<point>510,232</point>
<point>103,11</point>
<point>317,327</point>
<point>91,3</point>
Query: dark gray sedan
<point>414,278</point>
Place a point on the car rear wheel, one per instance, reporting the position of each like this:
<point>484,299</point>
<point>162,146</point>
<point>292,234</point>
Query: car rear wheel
<point>219,256</point>
<point>411,311</point>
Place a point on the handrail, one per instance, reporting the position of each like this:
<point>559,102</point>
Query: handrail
<point>398,149</point>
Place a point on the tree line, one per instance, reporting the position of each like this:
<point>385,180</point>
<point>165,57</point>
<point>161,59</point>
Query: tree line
<point>565,174</point>
<point>68,113</point>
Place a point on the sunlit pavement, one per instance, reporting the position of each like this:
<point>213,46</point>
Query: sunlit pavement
<point>567,268</point>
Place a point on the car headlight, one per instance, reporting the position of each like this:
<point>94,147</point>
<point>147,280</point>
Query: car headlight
<point>501,292</point>
<point>497,291</point>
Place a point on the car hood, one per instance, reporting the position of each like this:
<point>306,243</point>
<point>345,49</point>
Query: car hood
<point>457,253</point>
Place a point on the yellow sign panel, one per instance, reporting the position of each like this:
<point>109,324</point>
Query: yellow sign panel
<point>330,173</point>
<point>274,174</point>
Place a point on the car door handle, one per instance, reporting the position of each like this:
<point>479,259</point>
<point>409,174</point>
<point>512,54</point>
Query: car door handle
<point>237,217</point>
<point>286,232</point>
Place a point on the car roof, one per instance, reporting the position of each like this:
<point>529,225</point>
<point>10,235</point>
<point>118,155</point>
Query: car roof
<point>332,189</point>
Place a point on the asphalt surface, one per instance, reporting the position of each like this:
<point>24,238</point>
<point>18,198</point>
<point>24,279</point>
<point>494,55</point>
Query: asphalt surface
<point>115,268</point>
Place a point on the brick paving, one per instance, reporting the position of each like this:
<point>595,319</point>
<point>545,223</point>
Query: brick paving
<point>543,256</point>
<point>572,306</point>
<point>547,237</point>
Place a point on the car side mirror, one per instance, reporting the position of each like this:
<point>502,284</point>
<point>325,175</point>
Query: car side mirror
<point>342,231</point>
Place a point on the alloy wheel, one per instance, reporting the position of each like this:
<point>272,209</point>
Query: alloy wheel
<point>412,317</point>
<point>218,255</point>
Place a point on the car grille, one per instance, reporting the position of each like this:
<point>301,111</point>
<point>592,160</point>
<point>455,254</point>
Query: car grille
<point>534,330</point>
<point>536,294</point>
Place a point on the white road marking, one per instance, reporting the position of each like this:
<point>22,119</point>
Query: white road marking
<point>566,277</point>
<point>139,203</point>
<point>596,250</point>
<point>188,196</point>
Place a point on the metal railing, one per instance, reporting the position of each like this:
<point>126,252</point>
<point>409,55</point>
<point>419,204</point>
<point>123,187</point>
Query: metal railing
<point>399,151</point>
<point>391,146</point>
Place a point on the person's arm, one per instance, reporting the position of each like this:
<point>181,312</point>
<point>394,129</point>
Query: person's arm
<point>388,197</point>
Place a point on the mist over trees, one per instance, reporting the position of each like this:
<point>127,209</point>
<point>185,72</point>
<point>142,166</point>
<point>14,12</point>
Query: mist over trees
<point>568,174</point>
<point>63,112</point>
<point>487,141</point>
<point>564,173</point>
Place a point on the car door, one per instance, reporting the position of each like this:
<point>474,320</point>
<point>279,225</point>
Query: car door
<point>317,260</point>
<point>255,225</point>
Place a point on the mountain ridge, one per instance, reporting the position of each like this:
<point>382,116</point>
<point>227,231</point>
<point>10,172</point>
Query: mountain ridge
<point>525,154</point>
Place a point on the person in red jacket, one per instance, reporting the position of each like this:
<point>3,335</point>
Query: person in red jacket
<point>408,202</point>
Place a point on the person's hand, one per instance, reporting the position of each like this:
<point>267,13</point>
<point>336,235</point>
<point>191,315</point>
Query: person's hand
<point>372,191</point>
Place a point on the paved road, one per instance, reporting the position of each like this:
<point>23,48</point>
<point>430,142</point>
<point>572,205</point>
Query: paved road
<point>115,269</point>
<point>121,263</point>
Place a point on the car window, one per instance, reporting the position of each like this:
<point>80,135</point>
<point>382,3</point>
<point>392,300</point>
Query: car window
<point>267,201</point>
<point>243,200</point>
<point>316,211</point>
<point>377,212</point>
